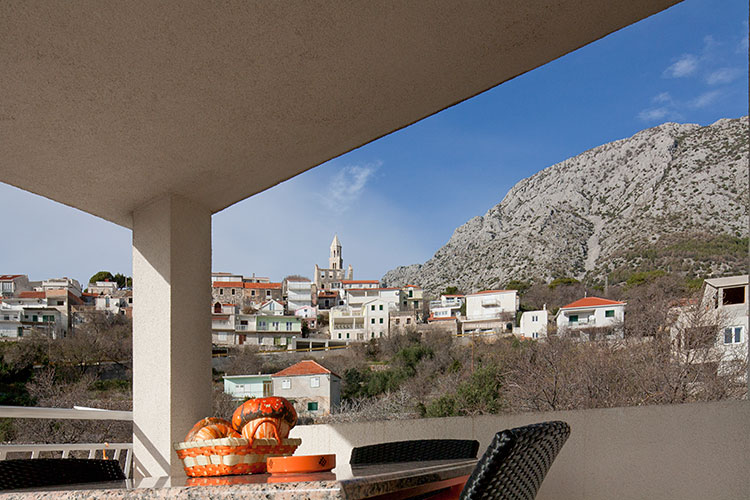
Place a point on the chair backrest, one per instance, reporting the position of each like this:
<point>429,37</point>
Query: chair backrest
<point>515,463</point>
<point>414,451</point>
<point>38,472</point>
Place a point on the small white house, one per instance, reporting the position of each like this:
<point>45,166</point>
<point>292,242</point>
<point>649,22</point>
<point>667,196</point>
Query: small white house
<point>533,324</point>
<point>312,388</point>
<point>729,298</point>
<point>490,310</point>
<point>248,386</point>
<point>376,313</point>
<point>271,308</point>
<point>590,312</point>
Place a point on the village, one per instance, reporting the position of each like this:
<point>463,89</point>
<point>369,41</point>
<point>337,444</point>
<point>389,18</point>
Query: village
<point>335,312</point>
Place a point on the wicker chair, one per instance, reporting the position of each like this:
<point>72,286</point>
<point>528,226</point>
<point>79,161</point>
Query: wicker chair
<point>40,472</point>
<point>414,451</point>
<point>515,463</point>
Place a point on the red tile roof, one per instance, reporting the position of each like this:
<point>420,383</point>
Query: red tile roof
<point>433,318</point>
<point>263,286</point>
<point>412,286</point>
<point>10,276</point>
<point>32,295</point>
<point>228,284</point>
<point>307,367</point>
<point>491,291</point>
<point>592,302</point>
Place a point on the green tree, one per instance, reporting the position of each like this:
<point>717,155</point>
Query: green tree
<point>450,290</point>
<point>102,276</point>
<point>123,281</point>
<point>564,281</point>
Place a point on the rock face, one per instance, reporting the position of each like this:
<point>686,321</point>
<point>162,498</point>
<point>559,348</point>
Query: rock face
<point>673,196</point>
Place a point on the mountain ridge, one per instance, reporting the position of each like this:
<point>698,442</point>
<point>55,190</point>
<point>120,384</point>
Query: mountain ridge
<point>620,206</point>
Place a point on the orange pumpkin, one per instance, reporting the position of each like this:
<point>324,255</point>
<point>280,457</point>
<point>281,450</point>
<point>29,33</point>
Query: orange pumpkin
<point>215,431</point>
<point>208,421</point>
<point>269,417</point>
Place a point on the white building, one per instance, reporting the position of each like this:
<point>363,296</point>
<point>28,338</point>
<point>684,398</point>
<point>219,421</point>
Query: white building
<point>314,389</point>
<point>448,306</point>
<point>102,288</point>
<point>729,298</point>
<point>350,284</point>
<point>490,310</point>
<point>376,313</point>
<point>19,316</point>
<point>533,324</point>
<point>298,293</point>
<point>271,308</point>
<point>309,315</point>
<point>590,312</point>
<point>120,303</point>
<point>69,284</point>
<point>346,323</point>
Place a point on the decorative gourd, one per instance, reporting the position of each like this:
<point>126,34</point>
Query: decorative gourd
<point>224,427</point>
<point>271,417</point>
<point>215,431</point>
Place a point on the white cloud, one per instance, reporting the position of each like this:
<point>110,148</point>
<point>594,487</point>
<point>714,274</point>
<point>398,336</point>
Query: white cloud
<point>654,114</point>
<point>348,184</point>
<point>723,75</point>
<point>663,98</point>
<point>686,65</point>
<point>705,99</point>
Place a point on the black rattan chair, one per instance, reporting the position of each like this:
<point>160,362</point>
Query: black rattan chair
<point>414,451</point>
<point>515,463</point>
<point>40,472</point>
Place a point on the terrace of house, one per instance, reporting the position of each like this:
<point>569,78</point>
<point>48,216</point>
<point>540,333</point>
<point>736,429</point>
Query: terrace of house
<point>155,118</point>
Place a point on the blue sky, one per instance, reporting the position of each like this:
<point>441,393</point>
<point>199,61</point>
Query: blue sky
<point>400,198</point>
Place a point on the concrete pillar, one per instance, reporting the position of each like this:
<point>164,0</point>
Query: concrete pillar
<point>171,329</point>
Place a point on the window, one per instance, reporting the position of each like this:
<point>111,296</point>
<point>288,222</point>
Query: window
<point>276,325</point>
<point>312,406</point>
<point>60,302</point>
<point>322,274</point>
<point>733,335</point>
<point>404,303</point>
<point>609,313</point>
<point>411,293</point>
<point>35,318</point>
<point>372,321</point>
<point>372,335</point>
<point>288,326</point>
<point>48,319</point>
<point>381,307</point>
<point>372,307</point>
<point>252,293</point>
<point>573,318</point>
<point>233,291</point>
<point>347,335</point>
<point>734,295</point>
<point>243,322</point>
<point>286,383</point>
<point>268,293</point>
<point>408,321</point>
<point>315,382</point>
<point>381,321</point>
<point>221,291</point>
<point>261,324</point>
<point>6,317</point>
<point>398,321</point>
<point>534,319</point>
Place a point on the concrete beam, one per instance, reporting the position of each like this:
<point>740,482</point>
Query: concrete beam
<point>171,329</point>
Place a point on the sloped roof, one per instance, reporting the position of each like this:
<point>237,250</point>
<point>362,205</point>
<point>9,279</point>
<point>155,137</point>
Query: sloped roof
<point>263,285</point>
<point>592,302</point>
<point>32,295</point>
<point>490,291</point>
<point>307,367</point>
<point>227,284</point>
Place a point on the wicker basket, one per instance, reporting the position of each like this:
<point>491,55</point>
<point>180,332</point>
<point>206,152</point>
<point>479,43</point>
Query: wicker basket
<point>227,456</point>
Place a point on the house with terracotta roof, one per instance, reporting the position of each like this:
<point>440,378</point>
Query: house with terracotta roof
<point>588,313</point>
<point>348,284</point>
<point>312,388</point>
<point>490,311</point>
<point>258,293</point>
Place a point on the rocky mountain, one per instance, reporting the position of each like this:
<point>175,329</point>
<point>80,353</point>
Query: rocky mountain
<point>672,197</point>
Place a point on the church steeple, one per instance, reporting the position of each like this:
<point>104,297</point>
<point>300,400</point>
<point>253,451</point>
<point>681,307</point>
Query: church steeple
<point>336,261</point>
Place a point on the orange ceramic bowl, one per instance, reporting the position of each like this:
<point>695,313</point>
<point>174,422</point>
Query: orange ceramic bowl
<point>302,463</point>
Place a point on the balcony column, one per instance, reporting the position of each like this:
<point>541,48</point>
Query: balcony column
<point>171,329</point>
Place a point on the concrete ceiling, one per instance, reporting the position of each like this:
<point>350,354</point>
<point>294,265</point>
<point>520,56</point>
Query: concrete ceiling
<point>107,105</point>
